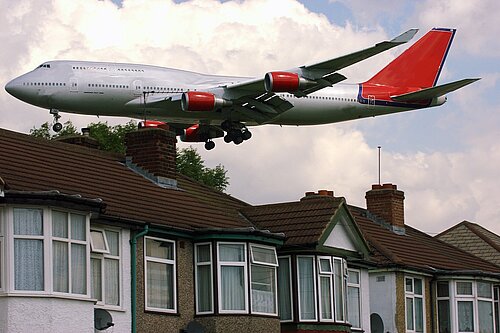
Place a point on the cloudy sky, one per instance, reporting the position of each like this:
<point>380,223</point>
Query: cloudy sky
<point>446,159</point>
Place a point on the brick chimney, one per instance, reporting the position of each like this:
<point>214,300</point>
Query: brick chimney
<point>151,152</point>
<point>387,202</point>
<point>321,194</point>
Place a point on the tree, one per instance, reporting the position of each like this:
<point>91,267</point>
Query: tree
<point>112,138</point>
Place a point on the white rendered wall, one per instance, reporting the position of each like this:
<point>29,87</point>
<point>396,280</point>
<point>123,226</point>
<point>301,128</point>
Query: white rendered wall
<point>383,299</point>
<point>365,301</point>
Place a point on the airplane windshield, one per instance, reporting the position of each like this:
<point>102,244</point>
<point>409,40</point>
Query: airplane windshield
<point>44,66</point>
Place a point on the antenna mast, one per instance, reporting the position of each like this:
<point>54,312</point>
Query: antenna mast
<point>379,148</point>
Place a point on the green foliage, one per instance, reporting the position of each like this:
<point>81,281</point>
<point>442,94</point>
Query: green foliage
<point>112,138</point>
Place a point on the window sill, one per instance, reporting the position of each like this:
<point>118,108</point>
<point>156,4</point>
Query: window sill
<point>40,295</point>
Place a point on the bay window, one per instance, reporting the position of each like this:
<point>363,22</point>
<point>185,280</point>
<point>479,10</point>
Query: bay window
<point>263,279</point>
<point>232,269</point>
<point>285,289</point>
<point>160,271</point>
<point>307,288</point>
<point>354,298</point>
<point>414,295</point>
<point>203,276</point>
<point>105,266</point>
<point>325,288</point>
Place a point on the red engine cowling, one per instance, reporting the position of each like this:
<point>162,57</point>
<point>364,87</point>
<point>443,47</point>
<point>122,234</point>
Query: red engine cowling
<point>201,101</point>
<point>192,134</point>
<point>152,123</point>
<point>285,82</point>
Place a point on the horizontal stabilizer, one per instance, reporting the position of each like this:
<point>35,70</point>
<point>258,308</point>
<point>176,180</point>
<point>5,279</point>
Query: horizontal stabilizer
<point>433,92</point>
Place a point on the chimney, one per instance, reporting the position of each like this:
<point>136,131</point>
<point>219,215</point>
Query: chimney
<point>319,195</point>
<point>387,202</point>
<point>81,140</point>
<point>151,152</point>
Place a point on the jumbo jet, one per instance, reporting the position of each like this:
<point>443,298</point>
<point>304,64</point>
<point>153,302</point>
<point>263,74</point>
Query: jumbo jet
<point>203,107</point>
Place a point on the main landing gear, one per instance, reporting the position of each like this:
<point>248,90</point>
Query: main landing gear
<point>236,132</point>
<point>57,126</point>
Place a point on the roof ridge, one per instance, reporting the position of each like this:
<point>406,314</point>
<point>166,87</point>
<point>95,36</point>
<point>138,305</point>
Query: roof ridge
<point>477,230</point>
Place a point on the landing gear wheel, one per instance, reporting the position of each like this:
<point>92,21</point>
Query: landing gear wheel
<point>209,145</point>
<point>246,135</point>
<point>237,140</point>
<point>228,138</point>
<point>57,127</point>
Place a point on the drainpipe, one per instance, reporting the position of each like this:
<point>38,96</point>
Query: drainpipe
<point>133,243</point>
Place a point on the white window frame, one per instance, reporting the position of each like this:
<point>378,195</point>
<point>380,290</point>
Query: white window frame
<point>232,264</point>
<point>315,288</point>
<point>102,257</point>
<point>330,275</point>
<point>360,301</point>
<point>412,295</point>
<point>204,263</point>
<point>92,247</point>
<point>47,239</point>
<point>2,250</point>
<point>343,275</point>
<point>289,259</point>
<point>484,299</point>
<point>274,265</point>
<point>161,261</point>
<point>465,298</point>
<point>449,299</point>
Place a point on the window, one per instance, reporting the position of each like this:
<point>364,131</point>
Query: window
<point>340,266</point>
<point>443,307</point>
<point>232,272</point>
<point>354,298</point>
<point>263,279</point>
<point>105,270</point>
<point>485,306</point>
<point>98,241</point>
<point>160,279</point>
<point>285,289</point>
<point>307,288</point>
<point>1,249</point>
<point>496,292</point>
<point>465,306</point>
<point>414,304</point>
<point>69,253</point>
<point>203,275</point>
<point>325,288</point>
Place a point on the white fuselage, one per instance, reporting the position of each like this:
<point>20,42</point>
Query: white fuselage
<point>101,88</point>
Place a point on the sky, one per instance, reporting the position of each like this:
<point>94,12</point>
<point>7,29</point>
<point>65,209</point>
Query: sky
<point>445,159</point>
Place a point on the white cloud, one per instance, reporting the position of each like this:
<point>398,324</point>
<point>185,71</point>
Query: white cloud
<point>250,38</point>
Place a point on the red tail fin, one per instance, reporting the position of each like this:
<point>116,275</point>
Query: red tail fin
<point>420,65</point>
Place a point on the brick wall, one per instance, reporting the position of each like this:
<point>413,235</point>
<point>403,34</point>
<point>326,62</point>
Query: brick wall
<point>387,202</point>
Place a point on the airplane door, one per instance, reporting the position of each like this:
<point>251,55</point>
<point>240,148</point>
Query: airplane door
<point>137,88</point>
<point>371,101</point>
<point>73,84</point>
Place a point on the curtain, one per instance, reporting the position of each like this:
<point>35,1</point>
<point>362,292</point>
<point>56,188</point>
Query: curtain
<point>78,227</point>
<point>338,295</point>
<point>28,222</point>
<point>60,266</point>
<point>263,289</point>
<point>233,288</point>
<point>160,285</point>
<point>59,224</point>
<point>325,297</point>
<point>78,269</point>
<point>410,325</point>
<point>284,297</point>
<point>112,281</point>
<point>465,316</point>
<point>28,264</point>
<point>485,311</point>
<point>419,313</point>
<point>306,288</point>
<point>159,249</point>
<point>96,278</point>
<point>204,284</point>
<point>232,252</point>
<point>354,309</point>
<point>113,239</point>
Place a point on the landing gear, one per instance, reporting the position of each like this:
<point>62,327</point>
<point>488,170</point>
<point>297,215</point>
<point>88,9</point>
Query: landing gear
<point>209,145</point>
<point>57,126</point>
<point>236,132</point>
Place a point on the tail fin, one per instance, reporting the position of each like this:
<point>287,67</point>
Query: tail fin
<point>420,65</point>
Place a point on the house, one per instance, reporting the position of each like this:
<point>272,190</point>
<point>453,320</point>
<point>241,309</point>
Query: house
<point>126,242</point>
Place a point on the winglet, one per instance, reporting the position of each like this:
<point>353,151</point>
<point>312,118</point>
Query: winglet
<point>404,37</point>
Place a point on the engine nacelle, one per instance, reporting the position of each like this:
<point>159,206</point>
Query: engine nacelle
<point>285,82</point>
<point>152,123</point>
<point>202,101</point>
<point>197,133</point>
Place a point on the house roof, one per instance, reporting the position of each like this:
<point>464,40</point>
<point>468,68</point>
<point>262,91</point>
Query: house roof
<point>32,164</point>
<point>303,222</point>
<point>415,249</point>
<point>474,239</point>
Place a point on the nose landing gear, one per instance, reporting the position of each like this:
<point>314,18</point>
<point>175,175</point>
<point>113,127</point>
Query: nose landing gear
<point>57,126</point>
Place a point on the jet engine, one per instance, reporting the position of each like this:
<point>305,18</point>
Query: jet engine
<point>152,123</point>
<point>202,101</point>
<point>285,82</point>
<point>200,133</point>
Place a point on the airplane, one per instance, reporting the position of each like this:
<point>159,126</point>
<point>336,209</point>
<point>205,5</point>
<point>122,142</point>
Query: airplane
<point>200,107</point>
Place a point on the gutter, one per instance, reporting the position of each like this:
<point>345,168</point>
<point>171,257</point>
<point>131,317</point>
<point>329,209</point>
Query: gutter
<point>133,243</point>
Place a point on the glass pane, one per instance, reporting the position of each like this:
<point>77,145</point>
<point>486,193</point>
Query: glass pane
<point>59,224</point>
<point>264,255</point>
<point>484,290</point>
<point>419,314</point>
<point>306,288</point>
<point>485,314</point>
<point>232,252</point>
<point>232,288</point>
<point>417,286</point>
<point>409,314</point>
<point>160,282</point>
<point>284,296</point>
<point>444,323</point>
<point>353,277</point>
<point>464,288</point>
<point>159,249</point>
<point>203,253</point>
<point>112,281</point>
<point>409,285</point>
<point>465,316</point>
<point>113,239</point>
<point>325,265</point>
<point>78,269</point>
<point>28,264</point>
<point>204,285</point>
<point>325,297</point>
<point>98,243</point>
<point>338,295</point>
<point>442,289</point>
<point>263,289</point>
<point>96,276</point>
<point>78,227</point>
<point>60,267</point>
<point>28,222</point>
<point>354,309</point>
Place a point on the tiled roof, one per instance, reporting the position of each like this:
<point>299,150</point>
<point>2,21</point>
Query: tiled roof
<point>415,249</point>
<point>474,239</point>
<point>303,222</point>
<point>32,164</point>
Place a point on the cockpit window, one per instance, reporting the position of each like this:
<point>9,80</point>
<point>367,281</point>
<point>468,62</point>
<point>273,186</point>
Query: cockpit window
<point>44,66</point>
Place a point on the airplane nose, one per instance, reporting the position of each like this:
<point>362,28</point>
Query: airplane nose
<point>9,87</point>
<point>12,87</point>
